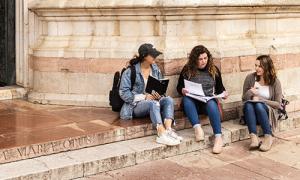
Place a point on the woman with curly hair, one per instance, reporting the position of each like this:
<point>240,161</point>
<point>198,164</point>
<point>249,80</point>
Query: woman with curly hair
<point>200,69</point>
<point>262,96</point>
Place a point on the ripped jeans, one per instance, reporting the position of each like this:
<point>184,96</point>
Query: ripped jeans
<point>158,110</point>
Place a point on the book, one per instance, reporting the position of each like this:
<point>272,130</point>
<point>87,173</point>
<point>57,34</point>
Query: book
<point>158,85</point>
<point>196,92</point>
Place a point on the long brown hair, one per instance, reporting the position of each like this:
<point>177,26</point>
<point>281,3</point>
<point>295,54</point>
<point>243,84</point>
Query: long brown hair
<point>269,70</point>
<point>191,68</point>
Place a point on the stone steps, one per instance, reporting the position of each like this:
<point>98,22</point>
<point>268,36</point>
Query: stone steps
<point>93,160</point>
<point>94,134</point>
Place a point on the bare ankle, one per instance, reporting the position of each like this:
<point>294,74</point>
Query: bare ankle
<point>168,123</point>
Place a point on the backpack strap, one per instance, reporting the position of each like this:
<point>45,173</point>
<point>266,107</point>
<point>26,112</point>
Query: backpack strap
<point>132,76</point>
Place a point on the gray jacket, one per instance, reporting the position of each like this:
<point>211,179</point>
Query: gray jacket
<point>138,88</point>
<point>274,102</point>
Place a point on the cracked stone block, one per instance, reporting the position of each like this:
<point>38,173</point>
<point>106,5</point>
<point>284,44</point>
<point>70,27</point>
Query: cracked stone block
<point>244,133</point>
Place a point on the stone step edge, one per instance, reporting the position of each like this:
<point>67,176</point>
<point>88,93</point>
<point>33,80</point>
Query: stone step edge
<point>98,159</point>
<point>86,140</point>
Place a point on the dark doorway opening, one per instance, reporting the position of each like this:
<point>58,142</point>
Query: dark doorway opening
<point>7,43</point>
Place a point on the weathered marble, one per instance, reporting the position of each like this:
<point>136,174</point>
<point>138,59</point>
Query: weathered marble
<point>83,41</point>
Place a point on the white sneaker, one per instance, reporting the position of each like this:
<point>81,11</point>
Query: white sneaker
<point>173,134</point>
<point>167,140</point>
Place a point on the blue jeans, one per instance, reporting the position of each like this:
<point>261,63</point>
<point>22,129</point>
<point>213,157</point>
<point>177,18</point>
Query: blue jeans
<point>158,110</point>
<point>192,109</point>
<point>257,112</point>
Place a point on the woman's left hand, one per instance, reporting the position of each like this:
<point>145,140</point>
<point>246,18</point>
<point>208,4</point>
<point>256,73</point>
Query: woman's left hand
<point>156,95</point>
<point>225,95</point>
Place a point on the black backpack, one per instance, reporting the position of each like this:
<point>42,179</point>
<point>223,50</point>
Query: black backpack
<point>282,111</point>
<point>115,101</point>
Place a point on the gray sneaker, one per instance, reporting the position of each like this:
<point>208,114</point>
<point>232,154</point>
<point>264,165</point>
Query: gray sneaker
<point>167,140</point>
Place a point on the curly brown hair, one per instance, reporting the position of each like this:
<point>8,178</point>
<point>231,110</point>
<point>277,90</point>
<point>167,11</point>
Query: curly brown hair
<point>190,69</point>
<point>269,70</point>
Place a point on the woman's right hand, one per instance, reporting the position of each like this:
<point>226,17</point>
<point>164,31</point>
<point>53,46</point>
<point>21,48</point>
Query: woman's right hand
<point>149,97</point>
<point>254,90</point>
<point>184,91</point>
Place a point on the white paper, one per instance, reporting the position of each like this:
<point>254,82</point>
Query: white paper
<point>194,88</point>
<point>195,91</point>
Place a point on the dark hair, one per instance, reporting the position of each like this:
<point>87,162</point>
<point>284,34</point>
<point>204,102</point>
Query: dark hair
<point>136,59</point>
<point>269,70</point>
<point>191,67</point>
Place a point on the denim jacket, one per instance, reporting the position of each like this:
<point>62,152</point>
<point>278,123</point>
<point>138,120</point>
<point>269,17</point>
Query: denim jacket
<point>138,88</point>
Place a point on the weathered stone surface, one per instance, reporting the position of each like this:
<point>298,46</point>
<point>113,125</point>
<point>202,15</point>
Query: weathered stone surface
<point>286,124</point>
<point>268,168</point>
<point>23,169</point>
<point>71,143</point>
<point>107,42</point>
<point>230,65</point>
<point>247,63</point>
<point>235,162</point>
<point>104,158</point>
<point>238,132</point>
<point>67,168</point>
<point>85,162</point>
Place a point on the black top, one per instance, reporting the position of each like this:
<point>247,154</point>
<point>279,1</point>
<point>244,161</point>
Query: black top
<point>219,87</point>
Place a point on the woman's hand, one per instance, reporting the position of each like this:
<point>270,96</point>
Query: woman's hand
<point>225,95</point>
<point>254,90</point>
<point>149,97</point>
<point>184,91</point>
<point>156,95</point>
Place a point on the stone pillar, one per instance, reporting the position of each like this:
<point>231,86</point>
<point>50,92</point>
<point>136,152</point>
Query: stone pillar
<point>78,45</point>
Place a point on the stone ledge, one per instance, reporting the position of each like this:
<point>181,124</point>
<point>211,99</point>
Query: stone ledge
<point>12,92</point>
<point>79,163</point>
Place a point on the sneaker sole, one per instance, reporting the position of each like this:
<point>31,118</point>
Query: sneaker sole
<point>168,144</point>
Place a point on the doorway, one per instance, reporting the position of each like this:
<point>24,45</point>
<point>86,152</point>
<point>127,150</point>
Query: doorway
<point>7,43</point>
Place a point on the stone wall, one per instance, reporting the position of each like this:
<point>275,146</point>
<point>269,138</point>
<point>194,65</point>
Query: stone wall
<point>78,45</point>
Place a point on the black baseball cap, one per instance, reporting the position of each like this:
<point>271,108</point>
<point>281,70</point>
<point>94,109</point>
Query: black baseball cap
<point>148,49</point>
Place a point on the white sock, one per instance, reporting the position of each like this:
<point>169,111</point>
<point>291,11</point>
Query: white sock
<point>197,125</point>
<point>218,135</point>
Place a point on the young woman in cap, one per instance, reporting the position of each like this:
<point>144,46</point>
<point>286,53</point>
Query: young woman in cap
<point>262,96</point>
<point>140,104</point>
<point>200,69</point>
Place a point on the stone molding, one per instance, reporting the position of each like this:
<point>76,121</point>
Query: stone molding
<point>92,4</point>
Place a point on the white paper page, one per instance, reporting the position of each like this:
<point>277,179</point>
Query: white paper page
<point>200,98</point>
<point>206,98</point>
<point>220,95</point>
<point>194,88</point>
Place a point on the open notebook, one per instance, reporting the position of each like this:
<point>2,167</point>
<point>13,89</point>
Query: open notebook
<point>158,85</point>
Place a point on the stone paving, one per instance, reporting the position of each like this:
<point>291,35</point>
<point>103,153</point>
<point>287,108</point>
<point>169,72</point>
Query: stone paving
<point>236,162</point>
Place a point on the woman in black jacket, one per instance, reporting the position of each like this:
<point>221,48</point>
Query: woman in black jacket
<point>201,69</point>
